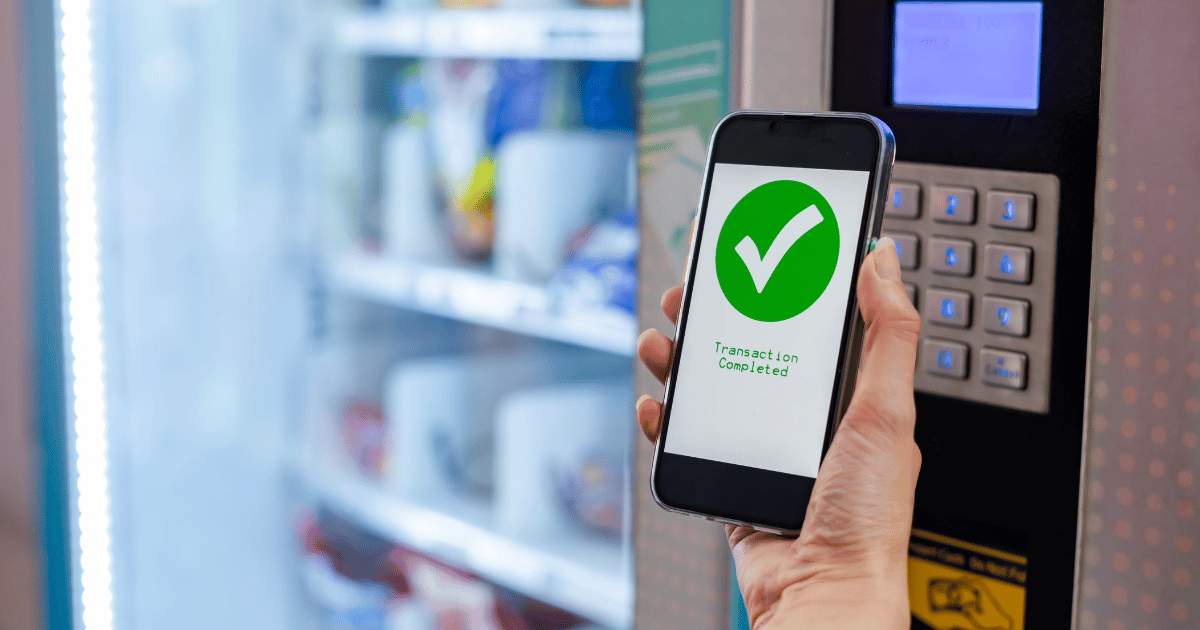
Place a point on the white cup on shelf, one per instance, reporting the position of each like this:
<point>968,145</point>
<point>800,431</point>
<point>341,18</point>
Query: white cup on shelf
<point>441,413</point>
<point>411,221</point>
<point>546,437</point>
<point>550,184</point>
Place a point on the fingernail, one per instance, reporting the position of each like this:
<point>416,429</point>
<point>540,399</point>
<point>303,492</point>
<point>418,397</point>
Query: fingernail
<point>640,400</point>
<point>887,262</point>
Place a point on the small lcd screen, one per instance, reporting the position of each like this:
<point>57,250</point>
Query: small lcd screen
<point>967,55</point>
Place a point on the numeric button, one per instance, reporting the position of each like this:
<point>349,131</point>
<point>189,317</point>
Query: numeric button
<point>951,256</point>
<point>906,248</point>
<point>948,307</point>
<point>904,200</point>
<point>1008,263</point>
<point>1005,316</point>
<point>952,204</point>
<point>1010,210</point>
<point>945,358</point>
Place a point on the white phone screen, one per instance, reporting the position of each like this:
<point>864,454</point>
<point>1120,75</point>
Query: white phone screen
<point>768,305</point>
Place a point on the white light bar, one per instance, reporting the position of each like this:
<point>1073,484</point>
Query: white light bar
<point>83,315</point>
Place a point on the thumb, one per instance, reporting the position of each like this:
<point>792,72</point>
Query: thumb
<point>885,379</point>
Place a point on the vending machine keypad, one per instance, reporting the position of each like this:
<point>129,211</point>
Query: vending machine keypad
<point>982,278</point>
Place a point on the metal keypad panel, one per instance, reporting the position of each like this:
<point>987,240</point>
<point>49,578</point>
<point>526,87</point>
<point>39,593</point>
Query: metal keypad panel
<point>978,247</point>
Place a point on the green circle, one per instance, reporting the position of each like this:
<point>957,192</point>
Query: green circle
<point>806,266</point>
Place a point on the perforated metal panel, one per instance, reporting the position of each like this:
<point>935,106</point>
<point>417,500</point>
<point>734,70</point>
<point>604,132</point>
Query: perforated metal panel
<point>1141,567</point>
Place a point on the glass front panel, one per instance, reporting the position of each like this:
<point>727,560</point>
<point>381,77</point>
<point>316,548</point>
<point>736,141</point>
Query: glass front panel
<point>368,312</point>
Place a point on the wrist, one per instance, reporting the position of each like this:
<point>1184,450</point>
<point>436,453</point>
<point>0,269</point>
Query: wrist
<point>868,602</point>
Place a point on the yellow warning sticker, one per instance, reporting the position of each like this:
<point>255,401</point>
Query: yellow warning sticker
<point>957,585</point>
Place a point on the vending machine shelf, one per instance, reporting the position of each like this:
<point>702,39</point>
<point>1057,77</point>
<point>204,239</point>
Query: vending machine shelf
<point>573,34</point>
<point>480,298</point>
<point>584,575</point>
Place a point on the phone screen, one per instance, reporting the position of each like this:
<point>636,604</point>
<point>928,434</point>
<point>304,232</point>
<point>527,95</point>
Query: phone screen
<point>754,381</point>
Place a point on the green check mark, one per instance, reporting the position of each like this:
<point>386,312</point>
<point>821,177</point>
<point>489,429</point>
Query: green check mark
<point>801,234</point>
<point>762,268</point>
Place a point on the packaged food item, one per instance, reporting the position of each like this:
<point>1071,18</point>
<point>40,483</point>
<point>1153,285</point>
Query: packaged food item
<point>349,575</point>
<point>519,101</point>
<point>458,91</point>
<point>345,604</point>
<point>592,491</point>
<point>553,183</point>
<point>607,94</point>
<point>360,581</point>
<point>364,435</point>
<point>534,4</point>
<point>458,601</point>
<point>601,267</point>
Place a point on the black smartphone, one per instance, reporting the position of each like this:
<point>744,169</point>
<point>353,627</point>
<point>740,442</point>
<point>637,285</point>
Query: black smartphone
<point>767,344</point>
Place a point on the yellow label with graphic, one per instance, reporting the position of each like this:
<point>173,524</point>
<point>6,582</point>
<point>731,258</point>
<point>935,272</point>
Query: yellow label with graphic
<point>958,585</point>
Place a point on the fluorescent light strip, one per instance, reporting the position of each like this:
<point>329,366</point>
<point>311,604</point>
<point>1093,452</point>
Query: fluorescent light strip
<point>83,313</point>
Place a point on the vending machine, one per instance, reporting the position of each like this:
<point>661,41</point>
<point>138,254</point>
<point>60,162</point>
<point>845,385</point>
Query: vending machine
<point>1043,206</point>
<point>333,303</point>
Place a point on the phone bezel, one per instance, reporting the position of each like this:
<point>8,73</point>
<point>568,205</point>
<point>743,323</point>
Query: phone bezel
<point>716,490</point>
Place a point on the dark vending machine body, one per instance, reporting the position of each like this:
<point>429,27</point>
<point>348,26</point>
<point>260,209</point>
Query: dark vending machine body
<point>995,107</point>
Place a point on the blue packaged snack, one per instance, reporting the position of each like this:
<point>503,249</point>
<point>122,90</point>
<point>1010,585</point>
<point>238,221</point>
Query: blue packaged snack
<point>607,95</point>
<point>518,98</point>
<point>601,268</point>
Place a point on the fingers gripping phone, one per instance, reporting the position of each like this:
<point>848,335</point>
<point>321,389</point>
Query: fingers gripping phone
<point>768,334</point>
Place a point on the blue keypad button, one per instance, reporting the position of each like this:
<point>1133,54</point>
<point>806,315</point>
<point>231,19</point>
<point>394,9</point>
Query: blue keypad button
<point>904,200</point>
<point>1008,263</point>
<point>907,245</point>
<point>1003,368</point>
<point>1006,316</point>
<point>954,256</point>
<point>1010,210</point>
<point>952,204</point>
<point>948,307</point>
<point>945,358</point>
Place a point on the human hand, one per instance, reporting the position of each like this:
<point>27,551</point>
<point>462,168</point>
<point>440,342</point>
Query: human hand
<point>849,566</point>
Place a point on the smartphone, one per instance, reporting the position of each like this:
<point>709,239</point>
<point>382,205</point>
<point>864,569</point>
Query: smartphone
<point>768,334</point>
